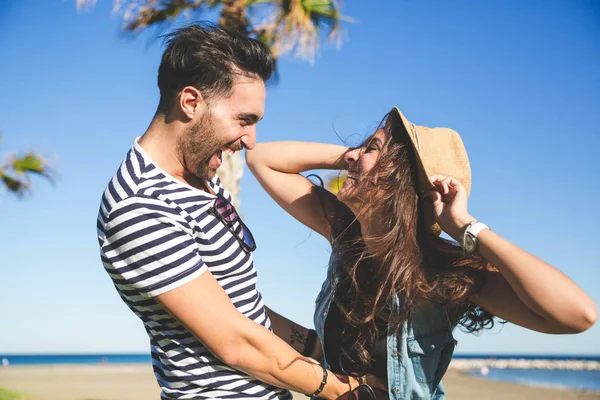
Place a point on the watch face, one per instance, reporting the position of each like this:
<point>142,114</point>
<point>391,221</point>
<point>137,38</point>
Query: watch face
<point>469,243</point>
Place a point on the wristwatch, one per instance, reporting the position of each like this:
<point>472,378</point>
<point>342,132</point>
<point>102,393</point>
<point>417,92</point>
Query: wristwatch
<point>469,239</point>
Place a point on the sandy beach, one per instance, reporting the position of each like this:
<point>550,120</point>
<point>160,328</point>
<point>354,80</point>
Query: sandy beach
<point>136,382</point>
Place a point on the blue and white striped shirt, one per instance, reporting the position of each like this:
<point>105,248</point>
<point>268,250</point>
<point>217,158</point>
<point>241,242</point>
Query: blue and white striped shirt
<point>156,234</point>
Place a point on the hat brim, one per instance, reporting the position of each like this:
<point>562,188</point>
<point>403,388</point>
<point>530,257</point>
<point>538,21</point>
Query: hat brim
<point>401,128</point>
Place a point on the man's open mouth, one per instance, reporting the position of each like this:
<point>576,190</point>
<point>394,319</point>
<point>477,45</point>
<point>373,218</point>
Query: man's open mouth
<point>218,156</point>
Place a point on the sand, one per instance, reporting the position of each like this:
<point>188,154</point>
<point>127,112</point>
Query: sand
<point>136,382</point>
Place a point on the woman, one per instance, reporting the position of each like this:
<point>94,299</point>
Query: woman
<point>395,289</point>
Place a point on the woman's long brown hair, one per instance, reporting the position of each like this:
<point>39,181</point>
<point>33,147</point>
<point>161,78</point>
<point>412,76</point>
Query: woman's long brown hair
<point>405,260</point>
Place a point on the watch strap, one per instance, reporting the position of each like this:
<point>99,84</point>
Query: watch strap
<point>472,230</point>
<point>476,227</point>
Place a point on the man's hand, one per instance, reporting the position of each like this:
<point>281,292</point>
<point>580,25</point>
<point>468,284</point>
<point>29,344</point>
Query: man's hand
<point>204,308</point>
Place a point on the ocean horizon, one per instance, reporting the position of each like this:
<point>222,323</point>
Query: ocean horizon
<point>120,358</point>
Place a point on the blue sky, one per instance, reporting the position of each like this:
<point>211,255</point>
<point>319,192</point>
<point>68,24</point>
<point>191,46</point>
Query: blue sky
<point>520,81</point>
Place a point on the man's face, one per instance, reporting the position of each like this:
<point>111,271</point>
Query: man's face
<point>227,125</point>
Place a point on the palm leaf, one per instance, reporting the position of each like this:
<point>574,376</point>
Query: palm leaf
<point>14,185</point>
<point>295,26</point>
<point>30,163</point>
<point>285,26</point>
<point>140,14</point>
<point>16,172</point>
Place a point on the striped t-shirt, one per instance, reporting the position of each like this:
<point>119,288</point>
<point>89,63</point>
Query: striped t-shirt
<point>156,234</point>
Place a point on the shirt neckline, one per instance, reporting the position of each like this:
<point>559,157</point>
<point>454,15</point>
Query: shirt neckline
<point>212,183</point>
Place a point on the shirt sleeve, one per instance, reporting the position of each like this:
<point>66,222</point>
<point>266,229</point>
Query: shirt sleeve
<point>148,247</point>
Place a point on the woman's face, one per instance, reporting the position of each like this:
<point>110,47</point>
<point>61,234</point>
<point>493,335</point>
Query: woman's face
<point>360,161</point>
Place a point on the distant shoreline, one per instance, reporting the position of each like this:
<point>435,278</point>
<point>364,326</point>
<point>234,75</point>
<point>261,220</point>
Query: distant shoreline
<point>529,356</point>
<point>459,355</point>
<point>459,361</point>
<point>522,363</point>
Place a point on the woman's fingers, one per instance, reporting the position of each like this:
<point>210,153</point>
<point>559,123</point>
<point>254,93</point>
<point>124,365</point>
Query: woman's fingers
<point>446,184</point>
<point>454,183</point>
<point>441,183</point>
<point>432,195</point>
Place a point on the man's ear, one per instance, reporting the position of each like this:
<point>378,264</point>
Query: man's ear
<point>191,102</point>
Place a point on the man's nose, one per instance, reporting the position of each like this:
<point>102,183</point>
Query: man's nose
<point>249,139</point>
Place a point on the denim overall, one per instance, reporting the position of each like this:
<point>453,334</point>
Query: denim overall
<point>418,355</point>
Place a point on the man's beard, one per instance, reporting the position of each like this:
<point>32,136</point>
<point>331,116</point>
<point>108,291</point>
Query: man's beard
<point>197,146</point>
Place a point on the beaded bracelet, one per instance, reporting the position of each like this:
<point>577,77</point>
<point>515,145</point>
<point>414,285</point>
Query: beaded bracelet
<point>320,389</point>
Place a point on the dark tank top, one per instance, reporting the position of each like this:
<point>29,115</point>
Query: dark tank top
<point>342,364</point>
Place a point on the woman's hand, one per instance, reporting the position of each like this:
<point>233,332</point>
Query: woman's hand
<point>525,290</point>
<point>449,201</point>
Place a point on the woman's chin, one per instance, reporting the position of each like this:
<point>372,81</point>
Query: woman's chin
<point>344,196</point>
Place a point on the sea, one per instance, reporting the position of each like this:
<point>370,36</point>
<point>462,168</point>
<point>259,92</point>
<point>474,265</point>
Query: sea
<point>562,379</point>
<point>556,378</point>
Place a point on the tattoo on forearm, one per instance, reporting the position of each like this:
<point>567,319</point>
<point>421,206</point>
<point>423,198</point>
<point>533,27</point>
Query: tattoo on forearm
<point>297,337</point>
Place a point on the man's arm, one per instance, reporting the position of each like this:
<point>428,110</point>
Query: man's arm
<point>205,309</point>
<point>304,341</point>
<point>148,248</point>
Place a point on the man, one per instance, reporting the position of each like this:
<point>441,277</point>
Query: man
<point>176,250</point>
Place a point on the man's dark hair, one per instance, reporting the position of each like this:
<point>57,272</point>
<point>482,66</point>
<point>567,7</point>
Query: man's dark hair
<point>208,58</point>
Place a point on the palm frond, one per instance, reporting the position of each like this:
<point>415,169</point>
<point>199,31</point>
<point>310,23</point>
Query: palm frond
<point>296,25</point>
<point>285,26</point>
<point>16,172</point>
<point>30,163</point>
<point>141,14</point>
<point>16,186</point>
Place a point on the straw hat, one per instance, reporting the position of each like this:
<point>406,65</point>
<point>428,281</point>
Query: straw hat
<point>438,151</point>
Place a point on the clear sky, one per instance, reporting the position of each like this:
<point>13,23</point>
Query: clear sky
<point>519,80</point>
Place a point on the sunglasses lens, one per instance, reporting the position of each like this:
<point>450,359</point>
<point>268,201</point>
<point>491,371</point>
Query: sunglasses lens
<point>230,217</point>
<point>225,210</point>
<point>363,392</point>
<point>247,237</point>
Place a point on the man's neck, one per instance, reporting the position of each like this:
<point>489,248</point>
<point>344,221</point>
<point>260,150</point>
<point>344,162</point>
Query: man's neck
<point>160,144</point>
